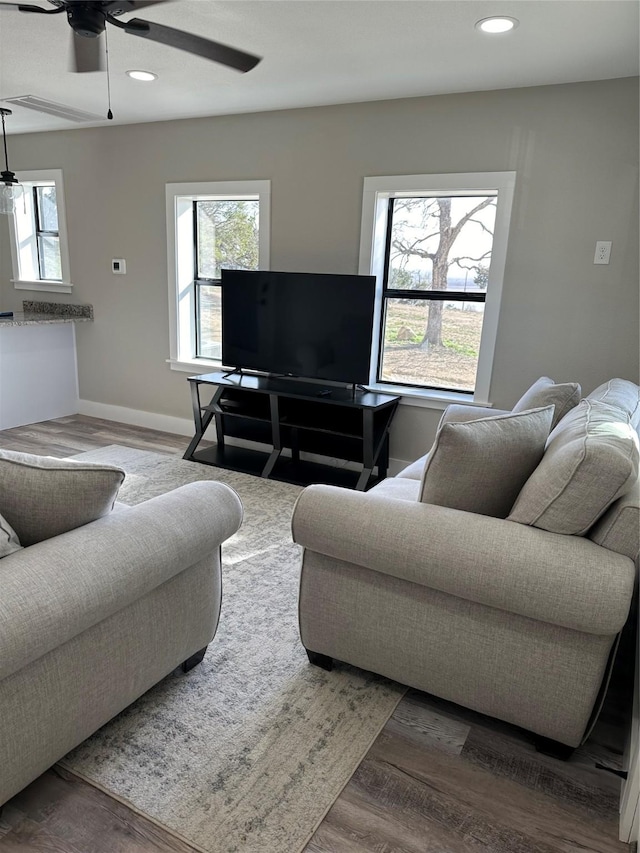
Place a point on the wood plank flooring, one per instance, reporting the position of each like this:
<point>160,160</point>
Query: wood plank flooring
<point>438,779</point>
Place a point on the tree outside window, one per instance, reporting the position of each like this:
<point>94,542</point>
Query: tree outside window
<point>226,237</point>
<point>436,272</point>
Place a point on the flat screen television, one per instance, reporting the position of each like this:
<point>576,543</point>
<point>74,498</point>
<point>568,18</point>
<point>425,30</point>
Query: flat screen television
<point>311,325</point>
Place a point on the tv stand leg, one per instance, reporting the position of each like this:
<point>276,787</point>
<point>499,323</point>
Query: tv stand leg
<point>271,461</point>
<point>367,451</point>
<point>275,436</point>
<point>201,422</point>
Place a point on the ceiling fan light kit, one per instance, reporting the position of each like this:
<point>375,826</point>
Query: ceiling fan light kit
<point>10,188</point>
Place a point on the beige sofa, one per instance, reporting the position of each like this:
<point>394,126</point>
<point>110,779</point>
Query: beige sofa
<point>499,615</point>
<point>93,617</point>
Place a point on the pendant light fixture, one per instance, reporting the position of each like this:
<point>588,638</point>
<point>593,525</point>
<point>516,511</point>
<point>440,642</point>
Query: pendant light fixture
<point>10,188</point>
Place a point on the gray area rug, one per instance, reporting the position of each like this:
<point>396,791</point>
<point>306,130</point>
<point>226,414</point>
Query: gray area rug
<point>249,750</point>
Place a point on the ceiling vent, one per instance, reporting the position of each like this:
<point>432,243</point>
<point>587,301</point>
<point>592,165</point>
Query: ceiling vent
<point>40,105</point>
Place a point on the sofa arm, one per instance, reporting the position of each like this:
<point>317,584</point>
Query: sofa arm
<point>55,589</point>
<point>564,580</point>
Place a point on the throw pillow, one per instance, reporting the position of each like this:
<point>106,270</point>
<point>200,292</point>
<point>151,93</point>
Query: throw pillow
<point>480,466</point>
<point>591,459</point>
<point>545,392</point>
<point>41,496</point>
<point>9,541</point>
<point>622,394</point>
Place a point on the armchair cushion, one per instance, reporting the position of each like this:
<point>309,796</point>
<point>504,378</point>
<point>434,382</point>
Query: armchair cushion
<point>480,466</point>
<point>591,459</point>
<point>545,392</point>
<point>42,497</point>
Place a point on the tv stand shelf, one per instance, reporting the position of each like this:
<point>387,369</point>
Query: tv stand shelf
<point>294,416</point>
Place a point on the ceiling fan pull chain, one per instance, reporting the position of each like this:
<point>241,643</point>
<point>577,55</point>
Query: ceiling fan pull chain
<point>106,44</point>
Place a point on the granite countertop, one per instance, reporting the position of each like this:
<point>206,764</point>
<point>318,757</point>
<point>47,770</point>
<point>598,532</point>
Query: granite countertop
<point>37,313</point>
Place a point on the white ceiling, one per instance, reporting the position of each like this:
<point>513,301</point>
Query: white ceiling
<point>316,52</point>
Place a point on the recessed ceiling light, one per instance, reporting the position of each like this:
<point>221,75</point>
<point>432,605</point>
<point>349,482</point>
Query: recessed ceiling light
<point>497,24</point>
<point>147,76</point>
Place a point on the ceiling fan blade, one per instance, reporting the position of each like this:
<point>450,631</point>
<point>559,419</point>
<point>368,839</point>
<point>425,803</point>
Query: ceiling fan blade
<point>191,43</point>
<point>27,7</point>
<point>120,7</point>
<point>88,54</point>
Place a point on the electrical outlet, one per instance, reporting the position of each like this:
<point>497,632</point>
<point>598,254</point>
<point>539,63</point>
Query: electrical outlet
<point>603,252</point>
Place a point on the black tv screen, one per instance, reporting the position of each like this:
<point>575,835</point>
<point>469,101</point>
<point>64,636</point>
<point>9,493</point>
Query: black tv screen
<point>312,325</point>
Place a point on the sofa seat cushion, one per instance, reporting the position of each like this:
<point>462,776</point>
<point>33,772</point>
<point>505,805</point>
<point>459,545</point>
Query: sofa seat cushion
<point>42,497</point>
<point>623,395</point>
<point>591,460</point>
<point>400,488</point>
<point>545,392</point>
<point>9,542</point>
<point>480,466</point>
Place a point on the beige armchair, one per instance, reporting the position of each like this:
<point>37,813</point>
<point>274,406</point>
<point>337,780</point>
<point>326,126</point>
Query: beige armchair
<point>94,617</point>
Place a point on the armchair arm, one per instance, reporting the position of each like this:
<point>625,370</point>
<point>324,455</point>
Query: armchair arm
<point>565,580</point>
<point>58,588</point>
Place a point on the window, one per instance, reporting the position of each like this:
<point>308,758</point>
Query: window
<point>437,245</point>
<point>38,234</point>
<point>226,237</point>
<point>210,227</point>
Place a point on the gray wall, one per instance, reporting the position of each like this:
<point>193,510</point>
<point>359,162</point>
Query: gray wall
<point>574,148</point>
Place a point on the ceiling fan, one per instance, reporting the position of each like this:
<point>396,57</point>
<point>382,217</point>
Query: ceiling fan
<point>88,20</point>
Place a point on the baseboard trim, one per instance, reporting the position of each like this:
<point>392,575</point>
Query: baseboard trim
<point>135,417</point>
<point>181,426</point>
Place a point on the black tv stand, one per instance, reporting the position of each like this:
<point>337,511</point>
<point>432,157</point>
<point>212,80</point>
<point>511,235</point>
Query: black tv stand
<point>293,417</point>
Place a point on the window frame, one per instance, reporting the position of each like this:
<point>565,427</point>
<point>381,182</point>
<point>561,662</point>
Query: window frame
<point>24,234</point>
<point>373,249</point>
<point>181,259</point>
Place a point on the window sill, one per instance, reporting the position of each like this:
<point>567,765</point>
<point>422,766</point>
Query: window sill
<point>48,286</point>
<point>194,366</point>
<point>427,398</point>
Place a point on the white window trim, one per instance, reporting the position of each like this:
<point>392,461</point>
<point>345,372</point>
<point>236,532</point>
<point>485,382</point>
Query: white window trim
<point>179,199</point>
<point>377,191</point>
<point>42,177</point>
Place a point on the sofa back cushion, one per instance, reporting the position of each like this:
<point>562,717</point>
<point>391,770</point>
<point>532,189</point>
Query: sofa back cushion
<point>623,395</point>
<point>481,465</point>
<point>545,392</point>
<point>591,459</point>
<point>41,496</point>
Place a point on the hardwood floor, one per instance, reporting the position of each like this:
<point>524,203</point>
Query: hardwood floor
<point>438,779</point>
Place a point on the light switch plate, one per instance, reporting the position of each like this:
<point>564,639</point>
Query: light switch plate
<point>119,266</point>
